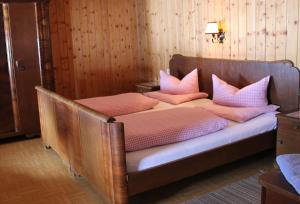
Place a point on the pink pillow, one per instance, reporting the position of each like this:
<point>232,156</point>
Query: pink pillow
<point>121,104</point>
<point>171,85</point>
<point>254,95</point>
<point>175,99</point>
<point>239,114</point>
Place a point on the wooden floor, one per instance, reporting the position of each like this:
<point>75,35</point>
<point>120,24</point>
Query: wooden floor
<point>31,174</point>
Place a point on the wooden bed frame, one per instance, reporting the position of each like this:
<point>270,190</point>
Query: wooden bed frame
<point>92,144</point>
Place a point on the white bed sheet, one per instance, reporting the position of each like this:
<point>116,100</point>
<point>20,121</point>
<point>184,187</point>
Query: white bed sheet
<point>148,158</point>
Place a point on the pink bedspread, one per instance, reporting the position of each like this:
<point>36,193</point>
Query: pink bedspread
<point>121,104</point>
<point>151,129</point>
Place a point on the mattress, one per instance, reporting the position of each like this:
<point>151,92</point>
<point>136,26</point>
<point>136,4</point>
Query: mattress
<point>155,156</point>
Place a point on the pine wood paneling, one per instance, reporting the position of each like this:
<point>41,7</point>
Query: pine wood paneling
<point>227,28</point>
<point>242,29</point>
<point>206,40</point>
<point>292,28</point>
<point>210,46</point>
<point>234,29</point>
<point>270,30</point>
<point>260,43</point>
<point>62,57</point>
<point>255,29</point>
<point>103,47</point>
<point>95,46</point>
<point>281,30</point>
<point>250,42</point>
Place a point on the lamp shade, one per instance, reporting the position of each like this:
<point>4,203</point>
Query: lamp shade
<point>212,28</point>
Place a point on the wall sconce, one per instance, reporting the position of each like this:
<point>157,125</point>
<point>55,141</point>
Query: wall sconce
<point>213,28</point>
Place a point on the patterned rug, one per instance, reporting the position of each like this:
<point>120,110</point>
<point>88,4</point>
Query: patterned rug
<point>247,191</point>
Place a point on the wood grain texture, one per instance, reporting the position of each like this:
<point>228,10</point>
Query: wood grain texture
<point>26,78</point>
<point>270,30</point>
<point>87,141</point>
<point>43,19</point>
<point>255,30</point>
<point>92,40</point>
<point>125,42</point>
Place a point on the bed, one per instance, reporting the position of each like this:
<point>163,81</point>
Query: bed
<point>93,144</point>
<point>151,157</point>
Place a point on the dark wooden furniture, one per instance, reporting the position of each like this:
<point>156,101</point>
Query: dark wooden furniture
<point>288,133</point>
<point>6,109</point>
<point>147,87</point>
<point>25,62</point>
<point>276,189</point>
<point>93,144</point>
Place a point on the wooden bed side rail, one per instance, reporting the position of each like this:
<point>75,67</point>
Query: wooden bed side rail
<point>91,143</point>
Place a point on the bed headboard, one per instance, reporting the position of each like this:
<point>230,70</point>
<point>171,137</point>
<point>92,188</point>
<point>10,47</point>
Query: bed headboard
<point>284,84</point>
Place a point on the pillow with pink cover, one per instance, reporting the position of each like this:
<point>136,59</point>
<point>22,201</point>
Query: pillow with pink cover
<point>171,85</point>
<point>121,104</point>
<point>253,95</point>
<point>175,99</point>
<point>238,114</point>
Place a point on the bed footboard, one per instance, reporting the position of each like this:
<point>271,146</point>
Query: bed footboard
<point>91,143</point>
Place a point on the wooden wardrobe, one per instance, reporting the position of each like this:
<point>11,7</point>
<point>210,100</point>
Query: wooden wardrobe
<point>25,62</point>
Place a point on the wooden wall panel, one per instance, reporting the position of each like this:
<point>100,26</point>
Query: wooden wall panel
<point>103,47</point>
<point>234,29</point>
<point>226,47</point>
<point>95,46</point>
<point>251,29</point>
<point>270,30</point>
<point>260,42</point>
<point>292,28</point>
<point>62,48</point>
<point>255,30</point>
<point>206,40</point>
<point>242,29</point>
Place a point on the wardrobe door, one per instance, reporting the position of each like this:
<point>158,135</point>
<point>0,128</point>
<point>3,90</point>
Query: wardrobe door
<point>24,61</point>
<point>6,111</point>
